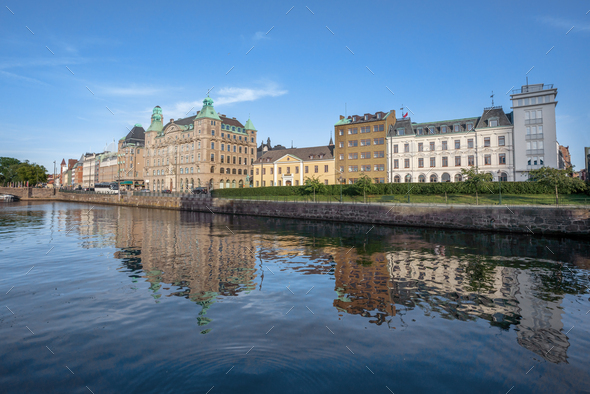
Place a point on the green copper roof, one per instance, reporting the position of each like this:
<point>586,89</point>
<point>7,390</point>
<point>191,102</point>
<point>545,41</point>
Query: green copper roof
<point>249,125</point>
<point>342,121</point>
<point>208,111</point>
<point>137,125</point>
<point>156,125</point>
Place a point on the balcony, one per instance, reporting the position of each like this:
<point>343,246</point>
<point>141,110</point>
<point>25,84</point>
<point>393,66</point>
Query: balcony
<point>532,88</point>
<point>534,151</point>
<point>538,136</point>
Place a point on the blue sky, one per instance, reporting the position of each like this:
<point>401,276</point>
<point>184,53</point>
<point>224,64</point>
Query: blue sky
<point>440,59</point>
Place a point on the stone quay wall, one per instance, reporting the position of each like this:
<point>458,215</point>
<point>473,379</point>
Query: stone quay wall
<point>29,192</point>
<point>516,219</point>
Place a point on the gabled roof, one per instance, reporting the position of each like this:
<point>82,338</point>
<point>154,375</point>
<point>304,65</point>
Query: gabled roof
<point>208,111</point>
<point>301,153</point>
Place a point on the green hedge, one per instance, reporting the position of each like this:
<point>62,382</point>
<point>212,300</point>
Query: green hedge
<point>394,188</point>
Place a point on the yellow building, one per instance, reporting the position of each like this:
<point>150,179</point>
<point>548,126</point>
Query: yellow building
<point>361,146</point>
<point>290,167</point>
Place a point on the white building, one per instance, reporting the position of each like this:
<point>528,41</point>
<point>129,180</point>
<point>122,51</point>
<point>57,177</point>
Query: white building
<point>88,170</point>
<point>535,135</point>
<point>505,145</point>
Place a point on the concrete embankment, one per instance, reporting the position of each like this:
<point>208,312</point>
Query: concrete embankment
<point>516,219</point>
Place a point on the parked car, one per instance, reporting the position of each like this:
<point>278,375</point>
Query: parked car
<point>166,191</point>
<point>199,190</point>
<point>145,191</point>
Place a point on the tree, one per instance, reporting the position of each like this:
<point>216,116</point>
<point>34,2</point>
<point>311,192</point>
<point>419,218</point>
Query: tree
<point>558,180</point>
<point>363,185</point>
<point>7,173</point>
<point>474,177</point>
<point>313,185</point>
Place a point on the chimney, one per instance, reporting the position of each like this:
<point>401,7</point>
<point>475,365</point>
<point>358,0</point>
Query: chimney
<point>171,120</point>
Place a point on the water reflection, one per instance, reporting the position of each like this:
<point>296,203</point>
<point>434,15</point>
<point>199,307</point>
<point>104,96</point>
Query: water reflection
<point>510,281</point>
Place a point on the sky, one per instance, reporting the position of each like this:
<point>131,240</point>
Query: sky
<point>74,76</point>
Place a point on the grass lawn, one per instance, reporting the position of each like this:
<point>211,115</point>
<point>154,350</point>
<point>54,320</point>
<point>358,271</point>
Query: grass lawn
<point>484,199</point>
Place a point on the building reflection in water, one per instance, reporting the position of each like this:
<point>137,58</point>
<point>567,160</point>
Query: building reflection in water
<point>453,275</point>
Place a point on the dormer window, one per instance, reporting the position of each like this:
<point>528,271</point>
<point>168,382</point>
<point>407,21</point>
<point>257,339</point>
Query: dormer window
<point>456,128</point>
<point>378,116</point>
<point>493,123</point>
<point>401,132</point>
<point>443,129</point>
<point>431,130</point>
<point>366,117</point>
<point>311,156</point>
<point>420,131</point>
<point>469,126</point>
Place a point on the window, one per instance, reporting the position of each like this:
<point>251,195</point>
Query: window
<point>221,158</point>
<point>365,129</point>
<point>486,142</point>
<point>443,129</point>
<point>501,141</point>
<point>378,154</point>
<point>445,161</point>
<point>487,160</point>
<point>420,131</point>
<point>366,142</point>
<point>296,170</point>
<point>432,146</point>
<point>366,168</point>
<point>457,144</point>
<point>326,168</point>
<point>396,163</point>
<point>444,145</point>
<point>213,145</point>
<point>340,132</point>
<point>471,160</point>
<point>353,156</point>
<point>341,144</point>
<point>432,161</point>
<point>470,143</point>
<point>306,169</point>
<point>316,169</point>
<point>397,179</point>
<point>493,123</point>
<point>352,144</point>
<point>421,163</point>
<point>456,128</point>
<point>420,147</point>
<point>379,167</point>
<point>406,147</point>
<point>502,158</point>
<point>431,130</point>
<point>213,132</point>
<point>280,170</point>
<point>353,168</point>
<point>469,126</point>
<point>264,171</point>
<point>457,161</point>
<point>395,150</point>
<point>212,156</point>
<point>406,163</point>
<point>379,141</point>
<point>272,171</point>
<point>401,132</point>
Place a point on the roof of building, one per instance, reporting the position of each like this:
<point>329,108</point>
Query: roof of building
<point>377,116</point>
<point>304,154</point>
<point>493,113</point>
<point>250,125</point>
<point>208,111</point>
<point>135,135</point>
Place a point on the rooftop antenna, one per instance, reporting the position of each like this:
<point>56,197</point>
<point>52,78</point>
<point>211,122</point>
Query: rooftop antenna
<point>291,144</point>
<point>345,114</point>
<point>527,81</point>
<point>492,96</point>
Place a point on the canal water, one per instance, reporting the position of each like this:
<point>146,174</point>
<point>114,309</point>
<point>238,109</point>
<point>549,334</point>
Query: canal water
<point>109,299</point>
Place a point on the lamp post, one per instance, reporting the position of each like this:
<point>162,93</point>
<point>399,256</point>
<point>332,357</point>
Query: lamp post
<point>340,182</point>
<point>500,180</point>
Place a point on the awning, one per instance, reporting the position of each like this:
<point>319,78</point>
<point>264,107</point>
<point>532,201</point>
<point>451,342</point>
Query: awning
<point>127,183</point>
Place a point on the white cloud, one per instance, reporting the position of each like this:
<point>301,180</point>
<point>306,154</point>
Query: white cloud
<point>562,23</point>
<point>229,95</point>
<point>21,78</point>
<point>260,35</point>
<point>129,90</point>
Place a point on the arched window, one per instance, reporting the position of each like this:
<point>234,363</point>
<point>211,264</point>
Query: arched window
<point>181,170</point>
<point>227,171</point>
<point>221,184</point>
<point>212,169</point>
<point>227,183</point>
<point>421,179</point>
<point>504,177</point>
<point>397,179</point>
<point>408,178</point>
<point>445,177</point>
<point>241,183</point>
<point>239,171</point>
<point>233,183</point>
<point>458,178</point>
<point>433,178</point>
<point>192,170</point>
<point>222,170</point>
<point>186,170</point>
<point>233,171</point>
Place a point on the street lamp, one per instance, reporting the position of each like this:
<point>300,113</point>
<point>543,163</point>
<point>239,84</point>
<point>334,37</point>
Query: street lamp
<point>500,180</point>
<point>340,182</point>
